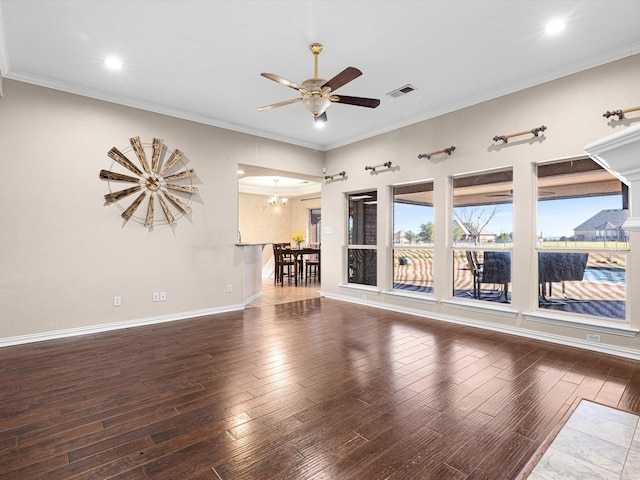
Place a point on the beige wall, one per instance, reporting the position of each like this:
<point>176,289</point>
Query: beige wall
<point>65,255</point>
<point>571,108</point>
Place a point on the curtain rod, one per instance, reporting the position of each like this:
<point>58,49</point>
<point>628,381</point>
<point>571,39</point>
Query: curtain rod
<point>505,138</point>
<point>444,150</point>
<point>374,167</point>
<point>342,174</point>
<point>620,113</point>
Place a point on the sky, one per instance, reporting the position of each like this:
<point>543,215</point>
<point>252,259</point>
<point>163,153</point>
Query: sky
<point>556,218</point>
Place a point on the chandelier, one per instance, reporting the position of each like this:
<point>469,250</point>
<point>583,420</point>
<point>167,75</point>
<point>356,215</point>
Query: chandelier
<point>276,201</point>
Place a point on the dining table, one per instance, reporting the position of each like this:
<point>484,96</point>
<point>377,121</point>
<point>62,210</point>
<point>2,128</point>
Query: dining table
<point>299,253</point>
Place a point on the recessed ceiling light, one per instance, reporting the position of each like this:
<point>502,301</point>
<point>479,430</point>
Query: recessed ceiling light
<point>113,63</point>
<point>555,26</point>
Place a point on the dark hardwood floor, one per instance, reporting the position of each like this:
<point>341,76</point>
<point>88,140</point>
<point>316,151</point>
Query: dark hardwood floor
<point>309,389</point>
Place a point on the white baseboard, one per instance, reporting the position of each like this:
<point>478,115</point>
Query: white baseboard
<point>546,337</point>
<point>521,332</point>
<point>252,298</point>
<point>106,327</point>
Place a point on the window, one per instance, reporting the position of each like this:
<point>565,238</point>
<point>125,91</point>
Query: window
<point>482,235</point>
<point>362,242</point>
<point>582,247</point>
<point>413,237</point>
<point>314,226</point>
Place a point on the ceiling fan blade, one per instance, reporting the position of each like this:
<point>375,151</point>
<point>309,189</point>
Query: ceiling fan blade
<point>505,194</point>
<point>510,194</point>
<point>359,101</point>
<point>344,77</point>
<point>280,104</point>
<point>283,81</point>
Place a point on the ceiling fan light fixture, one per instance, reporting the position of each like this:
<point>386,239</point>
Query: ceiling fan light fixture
<point>316,104</point>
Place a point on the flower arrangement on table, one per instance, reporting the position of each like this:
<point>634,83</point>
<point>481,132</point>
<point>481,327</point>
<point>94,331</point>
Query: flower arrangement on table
<point>298,237</point>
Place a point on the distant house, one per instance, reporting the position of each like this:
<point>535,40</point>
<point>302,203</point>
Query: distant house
<point>464,232</point>
<point>400,238</point>
<point>605,225</point>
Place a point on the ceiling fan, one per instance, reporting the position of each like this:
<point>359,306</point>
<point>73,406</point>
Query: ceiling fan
<point>317,93</point>
<point>510,194</point>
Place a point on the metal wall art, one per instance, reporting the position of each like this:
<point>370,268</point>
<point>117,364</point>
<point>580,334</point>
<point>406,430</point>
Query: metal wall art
<point>165,179</point>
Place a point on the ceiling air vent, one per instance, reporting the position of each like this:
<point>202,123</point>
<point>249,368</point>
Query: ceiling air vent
<point>398,92</point>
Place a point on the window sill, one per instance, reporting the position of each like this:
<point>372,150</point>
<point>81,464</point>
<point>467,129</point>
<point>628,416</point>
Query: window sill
<point>503,310</point>
<point>593,325</point>
<point>360,288</point>
<point>416,297</point>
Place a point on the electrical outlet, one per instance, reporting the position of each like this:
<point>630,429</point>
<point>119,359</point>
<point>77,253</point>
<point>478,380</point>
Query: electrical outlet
<point>155,296</point>
<point>117,301</point>
<point>594,337</point>
<point>163,296</point>
<point>229,288</point>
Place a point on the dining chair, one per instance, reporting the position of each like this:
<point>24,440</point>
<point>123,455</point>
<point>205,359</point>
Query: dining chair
<point>496,269</point>
<point>276,263</point>
<point>285,264</point>
<point>476,271</point>
<point>312,269</point>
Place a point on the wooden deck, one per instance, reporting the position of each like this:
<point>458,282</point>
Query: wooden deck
<point>308,389</point>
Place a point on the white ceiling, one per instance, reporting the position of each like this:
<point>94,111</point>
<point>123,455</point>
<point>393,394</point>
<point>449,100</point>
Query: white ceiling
<point>201,60</point>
